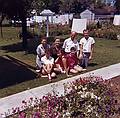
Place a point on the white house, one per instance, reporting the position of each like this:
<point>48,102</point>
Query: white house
<point>87,14</point>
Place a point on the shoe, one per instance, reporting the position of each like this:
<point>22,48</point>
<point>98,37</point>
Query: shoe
<point>44,76</point>
<point>37,71</point>
<point>84,69</point>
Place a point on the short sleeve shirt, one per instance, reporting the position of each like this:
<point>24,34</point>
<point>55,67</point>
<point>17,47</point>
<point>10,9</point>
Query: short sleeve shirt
<point>46,60</point>
<point>68,44</point>
<point>87,44</point>
<point>41,50</point>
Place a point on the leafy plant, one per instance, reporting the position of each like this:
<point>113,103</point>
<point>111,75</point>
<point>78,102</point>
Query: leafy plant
<point>88,97</point>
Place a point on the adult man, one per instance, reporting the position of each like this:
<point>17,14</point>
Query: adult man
<point>71,42</point>
<point>86,48</point>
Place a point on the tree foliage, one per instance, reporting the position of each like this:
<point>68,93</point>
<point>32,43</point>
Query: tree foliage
<point>117,5</point>
<point>17,9</point>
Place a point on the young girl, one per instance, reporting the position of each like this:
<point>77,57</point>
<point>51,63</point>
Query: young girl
<point>61,62</point>
<point>48,62</point>
<point>72,61</point>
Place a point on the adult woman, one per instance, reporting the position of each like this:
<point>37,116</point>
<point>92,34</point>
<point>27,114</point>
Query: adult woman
<point>41,52</point>
<point>55,48</point>
<point>56,53</point>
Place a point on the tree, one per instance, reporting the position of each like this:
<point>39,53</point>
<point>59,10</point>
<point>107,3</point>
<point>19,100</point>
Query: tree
<point>18,9</point>
<point>2,15</point>
<point>117,5</point>
<point>38,5</point>
<point>66,6</point>
<point>54,5</point>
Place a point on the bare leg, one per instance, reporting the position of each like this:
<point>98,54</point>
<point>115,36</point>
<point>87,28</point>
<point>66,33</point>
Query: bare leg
<point>57,68</point>
<point>65,66</point>
<point>47,69</point>
<point>73,71</point>
<point>78,68</point>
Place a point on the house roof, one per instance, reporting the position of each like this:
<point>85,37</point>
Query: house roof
<point>104,11</point>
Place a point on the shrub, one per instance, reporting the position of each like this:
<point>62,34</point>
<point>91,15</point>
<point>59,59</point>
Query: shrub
<point>55,30</point>
<point>109,32</point>
<point>88,97</point>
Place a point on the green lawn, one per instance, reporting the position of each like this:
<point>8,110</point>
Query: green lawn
<point>17,72</point>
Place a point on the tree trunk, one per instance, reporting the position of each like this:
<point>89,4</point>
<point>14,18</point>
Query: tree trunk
<point>1,20</point>
<point>1,31</point>
<point>24,34</point>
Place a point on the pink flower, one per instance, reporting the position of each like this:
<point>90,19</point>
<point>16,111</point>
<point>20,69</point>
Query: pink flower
<point>36,115</point>
<point>22,115</point>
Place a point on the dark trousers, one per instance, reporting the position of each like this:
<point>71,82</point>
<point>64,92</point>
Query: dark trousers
<point>85,59</point>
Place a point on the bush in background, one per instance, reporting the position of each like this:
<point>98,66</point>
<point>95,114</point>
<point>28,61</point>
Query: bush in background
<point>109,32</point>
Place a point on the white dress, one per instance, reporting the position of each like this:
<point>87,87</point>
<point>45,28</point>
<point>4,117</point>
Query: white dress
<point>40,52</point>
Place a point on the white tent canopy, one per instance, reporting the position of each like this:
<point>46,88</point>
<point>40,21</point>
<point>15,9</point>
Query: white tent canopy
<point>47,12</point>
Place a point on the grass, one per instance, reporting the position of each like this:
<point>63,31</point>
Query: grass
<point>17,70</point>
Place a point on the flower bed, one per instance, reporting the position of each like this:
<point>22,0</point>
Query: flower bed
<point>89,97</point>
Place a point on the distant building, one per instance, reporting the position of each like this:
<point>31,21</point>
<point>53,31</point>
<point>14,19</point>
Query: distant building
<point>106,13</point>
<point>87,14</point>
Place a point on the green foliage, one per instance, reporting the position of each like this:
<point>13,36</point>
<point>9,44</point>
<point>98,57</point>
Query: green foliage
<point>117,4</point>
<point>55,30</point>
<point>108,32</point>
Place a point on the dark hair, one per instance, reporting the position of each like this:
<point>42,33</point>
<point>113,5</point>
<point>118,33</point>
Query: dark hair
<point>56,38</point>
<point>62,51</point>
<point>85,30</point>
<point>43,38</point>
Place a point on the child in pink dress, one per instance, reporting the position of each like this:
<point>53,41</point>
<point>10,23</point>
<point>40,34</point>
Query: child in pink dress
<point>61,63</point>
<point>72,61</point>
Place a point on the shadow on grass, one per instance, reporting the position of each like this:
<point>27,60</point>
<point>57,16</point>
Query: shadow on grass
<point>32,45</point>
<point>12,47</point>
<point>13,71</point>
<point>118,46</point>
<point>93,64</point>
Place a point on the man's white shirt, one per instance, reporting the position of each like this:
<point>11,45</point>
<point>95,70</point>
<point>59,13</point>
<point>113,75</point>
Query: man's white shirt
<point>86,43</point>
<point>68,44</point>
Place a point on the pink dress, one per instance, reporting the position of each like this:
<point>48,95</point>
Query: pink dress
<point>60,62</point>
<point>72,60</point>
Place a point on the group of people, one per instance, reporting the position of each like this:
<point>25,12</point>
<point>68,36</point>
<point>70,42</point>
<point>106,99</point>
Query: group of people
<point>71,57</point>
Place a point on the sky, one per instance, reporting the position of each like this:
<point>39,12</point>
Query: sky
<point>109,1</point>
